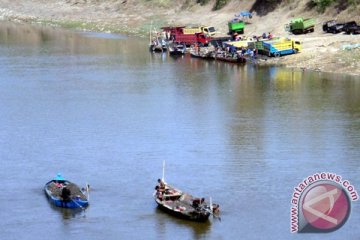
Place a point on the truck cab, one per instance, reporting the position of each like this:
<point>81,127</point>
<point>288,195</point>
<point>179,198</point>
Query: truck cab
<point>209,31</point>
<point>297,46</point>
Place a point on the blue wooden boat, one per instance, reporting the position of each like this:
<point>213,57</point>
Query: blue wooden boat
<point>65,194</point>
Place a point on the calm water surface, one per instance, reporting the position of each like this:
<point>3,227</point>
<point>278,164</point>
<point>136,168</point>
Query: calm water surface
<point>101,109</point>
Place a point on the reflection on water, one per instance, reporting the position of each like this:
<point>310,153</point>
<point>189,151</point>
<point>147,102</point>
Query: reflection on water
<point>67,213</point>
<point>103,109</point>
<point>199,230</point>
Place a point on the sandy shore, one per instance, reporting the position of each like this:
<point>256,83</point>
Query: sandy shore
<point>321,51</point>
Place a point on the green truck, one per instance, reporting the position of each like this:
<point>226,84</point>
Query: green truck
<point>236,26</point>
<point>301,25</point>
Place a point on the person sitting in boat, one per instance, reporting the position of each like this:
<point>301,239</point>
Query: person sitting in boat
<point>65,194</point>
<point>232,50</point>
<point>58,184</point>
<point>161,184</point>
<point>197,202</point>
<point>159,193</point>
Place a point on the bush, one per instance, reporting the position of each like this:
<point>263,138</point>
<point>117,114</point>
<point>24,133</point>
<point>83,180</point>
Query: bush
<point>220,4</point>
<point>202,2</point>
<point>320,5</point>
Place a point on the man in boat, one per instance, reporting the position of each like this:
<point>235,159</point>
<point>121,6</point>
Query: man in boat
<point>58,184</point>
<point>232,50</point>
<point>161,184</point>
<point>159,193</point>
<point>65,194</point>
<point>197,202</point>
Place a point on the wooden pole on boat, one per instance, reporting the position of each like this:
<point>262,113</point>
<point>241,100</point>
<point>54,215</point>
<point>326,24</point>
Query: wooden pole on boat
<point>88,191</point>
<point>150,32</point>
<point>163,173</point>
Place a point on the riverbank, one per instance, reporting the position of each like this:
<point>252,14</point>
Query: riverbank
<point>321,52</point>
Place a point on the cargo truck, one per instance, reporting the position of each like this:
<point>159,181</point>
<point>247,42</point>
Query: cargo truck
<point>236,26</point>
<point>259,44</point>
<point>301,25</point>
<point>332,26</point>
<point>281,47</point>
<point>177,35</point>
<point>351,28</point>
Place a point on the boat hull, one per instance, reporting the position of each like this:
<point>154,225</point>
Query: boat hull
<point>231,60</point>
<point>206,57</point>
<point>157,48</point>
<point>192,217</point>
<point>176,53</point>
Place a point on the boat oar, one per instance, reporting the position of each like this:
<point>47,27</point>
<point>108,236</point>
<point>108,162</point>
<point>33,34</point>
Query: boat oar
<point>78,204</point>
<point>88,191</point>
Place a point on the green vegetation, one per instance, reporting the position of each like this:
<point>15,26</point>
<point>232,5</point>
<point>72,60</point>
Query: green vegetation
<point>322,5</point>
<point>202,2</point>
<point>220,4</point>
<point>262,7</point>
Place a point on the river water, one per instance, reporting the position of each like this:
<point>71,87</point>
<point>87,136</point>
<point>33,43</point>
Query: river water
<point>101,109</point>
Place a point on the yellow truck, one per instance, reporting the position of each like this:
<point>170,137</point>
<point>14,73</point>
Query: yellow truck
<point>210,31</point>
<point>281,47</point>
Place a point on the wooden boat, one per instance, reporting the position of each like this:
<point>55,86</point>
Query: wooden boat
<point>177,49</point>
<point>230,58</point>
<point>63,193</point>
<point>157,48</point>
<point>157,43</point>
<point>183,205</point>
<point>203,52</point>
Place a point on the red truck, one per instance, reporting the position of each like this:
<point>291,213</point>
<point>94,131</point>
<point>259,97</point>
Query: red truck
<point>176,34</point>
